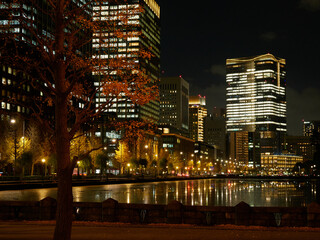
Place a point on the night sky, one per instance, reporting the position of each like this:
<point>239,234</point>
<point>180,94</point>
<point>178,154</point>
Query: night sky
<point>198,36</point>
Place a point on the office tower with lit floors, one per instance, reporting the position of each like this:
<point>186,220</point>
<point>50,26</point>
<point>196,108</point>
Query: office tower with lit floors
<point>255,107</point>
<point>140,31</point>
<point>197,113</point>
<point>174,105</point>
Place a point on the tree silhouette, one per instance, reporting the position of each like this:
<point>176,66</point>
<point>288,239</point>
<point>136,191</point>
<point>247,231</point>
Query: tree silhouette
<point>54,57</point>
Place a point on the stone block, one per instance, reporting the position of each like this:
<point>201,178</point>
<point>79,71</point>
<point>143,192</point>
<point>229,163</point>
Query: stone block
<point>48,208</point>
<point>175,211</point>
<point>242,214</point>
<point>110,210</point>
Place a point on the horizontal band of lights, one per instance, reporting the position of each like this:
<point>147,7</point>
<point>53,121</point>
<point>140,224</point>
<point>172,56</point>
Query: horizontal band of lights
<point>251,71</point>
<point>255,88</point>
<point>254,107</point>
<point>257,105</point>
<point>249,110</point>
<point>235,123</point>
<point>256,84</point>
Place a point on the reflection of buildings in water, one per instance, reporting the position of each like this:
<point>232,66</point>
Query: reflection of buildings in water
<point>257,193</point>
<point>205,192</point>
<point>210,192</point>
<point>282,192</point>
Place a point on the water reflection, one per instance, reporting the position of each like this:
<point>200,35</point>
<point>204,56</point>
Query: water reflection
<point>209,192</point>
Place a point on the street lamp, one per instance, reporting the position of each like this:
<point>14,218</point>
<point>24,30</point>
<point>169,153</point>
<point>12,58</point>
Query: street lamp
<point>13,122</point>
<point>44,166</point>
<point>78,168</point>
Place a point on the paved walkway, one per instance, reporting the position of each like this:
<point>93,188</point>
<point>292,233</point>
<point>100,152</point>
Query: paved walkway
<point>117,231</point>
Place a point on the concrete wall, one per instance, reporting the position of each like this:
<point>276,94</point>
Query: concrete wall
<point>174,213</point>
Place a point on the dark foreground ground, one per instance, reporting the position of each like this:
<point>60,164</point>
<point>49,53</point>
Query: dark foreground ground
<point>89,230</point>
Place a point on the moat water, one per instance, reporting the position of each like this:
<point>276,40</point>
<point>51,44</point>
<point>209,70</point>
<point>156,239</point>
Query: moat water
<point>204,192</point>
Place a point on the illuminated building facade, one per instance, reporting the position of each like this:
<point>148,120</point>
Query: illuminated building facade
<point>256,102</point>
<point>174,97</point>
<point>146,25</point>
<point>197,113</point>
<point>279,164</point>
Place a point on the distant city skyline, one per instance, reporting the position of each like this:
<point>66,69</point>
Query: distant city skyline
<point>196,40</point>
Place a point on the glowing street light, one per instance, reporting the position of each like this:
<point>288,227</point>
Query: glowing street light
<point>44,166</point>
<point>13,122</point>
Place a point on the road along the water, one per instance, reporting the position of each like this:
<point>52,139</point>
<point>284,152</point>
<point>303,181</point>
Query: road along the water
<point>97,231</point>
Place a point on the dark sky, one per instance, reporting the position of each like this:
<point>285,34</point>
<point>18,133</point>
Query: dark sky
<point>198,37</point>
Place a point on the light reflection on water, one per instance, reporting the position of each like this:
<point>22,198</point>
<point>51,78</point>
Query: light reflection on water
<point>208,192</point>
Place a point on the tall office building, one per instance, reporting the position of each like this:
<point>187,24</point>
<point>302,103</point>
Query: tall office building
<point>215,133</point>
<point>174,105</point>
<point>300,146</point>
<point>256,103</point>
<point>14,16</point>
<point>140,31</point>
<point>29,25</point>
<point>311,128</point>
<point>197,113</point>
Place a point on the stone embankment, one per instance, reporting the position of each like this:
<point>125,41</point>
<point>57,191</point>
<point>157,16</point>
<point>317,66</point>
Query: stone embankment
<point>173,213</point>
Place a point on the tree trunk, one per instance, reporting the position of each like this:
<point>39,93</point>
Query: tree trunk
<point>62,136</point>
<point>64,206</point>
<point>65,168</point>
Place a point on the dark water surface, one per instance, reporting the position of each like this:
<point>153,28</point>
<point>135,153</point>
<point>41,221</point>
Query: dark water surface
<point>204,192</point>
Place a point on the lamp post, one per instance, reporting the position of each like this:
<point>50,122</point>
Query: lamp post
<point>13,122</point>
<point>146,147</point>
<point>44,166</point>
<point>44,169</point>
<point>78,168</point>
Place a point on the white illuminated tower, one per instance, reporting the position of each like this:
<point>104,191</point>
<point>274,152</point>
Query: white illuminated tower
<point>256,102</point>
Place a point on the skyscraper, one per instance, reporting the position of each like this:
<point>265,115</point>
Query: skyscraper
<point>27,32</point>
<point>136,32</point>
<point>256,102</point>
<point>311,128</point>
<point>197,113</point>
<point>215,133</point>
<point>174,97</point>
